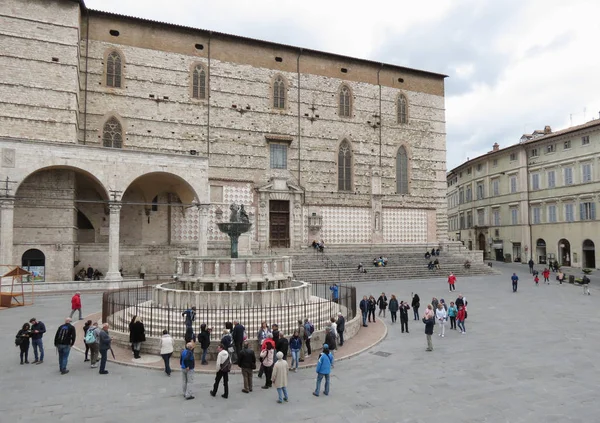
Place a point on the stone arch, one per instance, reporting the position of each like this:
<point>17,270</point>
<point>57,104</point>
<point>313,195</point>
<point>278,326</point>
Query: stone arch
<point>157,182</point>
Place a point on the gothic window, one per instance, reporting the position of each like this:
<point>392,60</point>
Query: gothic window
<point>402,109</point>
<point>279,93</point>
<point>345,167</point>
<point>199,83</point>
<point>113,70</point>
<point>345,102</point>
<point>112,135</point>
<point>402,171</point>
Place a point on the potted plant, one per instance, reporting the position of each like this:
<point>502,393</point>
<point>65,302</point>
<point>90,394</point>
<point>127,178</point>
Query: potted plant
<point>587,271</point>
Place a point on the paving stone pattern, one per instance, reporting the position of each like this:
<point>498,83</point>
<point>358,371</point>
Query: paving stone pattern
<point>527,357</point>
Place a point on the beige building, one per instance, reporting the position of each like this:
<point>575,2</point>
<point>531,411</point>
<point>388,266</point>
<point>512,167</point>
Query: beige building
<point>123,142</point>
<point>536,199</point>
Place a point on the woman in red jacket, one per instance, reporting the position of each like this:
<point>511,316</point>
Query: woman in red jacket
<point>460,319</point>
<point>76,305</point>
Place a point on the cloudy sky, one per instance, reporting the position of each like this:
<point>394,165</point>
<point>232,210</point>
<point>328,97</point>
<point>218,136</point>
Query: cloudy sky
<point>514,65</point>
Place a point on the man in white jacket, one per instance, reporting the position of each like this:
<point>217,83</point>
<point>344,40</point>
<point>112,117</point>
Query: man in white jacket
<point>441,316</point>
<point>223,368</point>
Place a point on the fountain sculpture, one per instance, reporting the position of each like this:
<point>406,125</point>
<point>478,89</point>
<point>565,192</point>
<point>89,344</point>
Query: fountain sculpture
<point>237,225</point>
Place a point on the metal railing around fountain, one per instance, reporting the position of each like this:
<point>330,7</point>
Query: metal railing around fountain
<point>119,306</point>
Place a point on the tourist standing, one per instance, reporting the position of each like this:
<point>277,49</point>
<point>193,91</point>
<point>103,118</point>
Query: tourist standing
<point>282,345</point>
<point>441,317</point>
<point>531,263</point>
<point>167,345</point>
<point>546,274</point>
<point>451,282</point>
<point>333,326</point>
<point>190,316</point>
<point>104,340</point>
<point>268,359</point>
<point>372,308</point>
<point>341,327</point>
<point>460,317</point>
<point>429,323</point>
<point>137,335</point>
<point>330,339</point>
<point>308,331</point>
<point>22,340</point>
<point>382,302</point>
<point>515,280</point>
<point>364,309</point>
<point>416,303</point>
<point>238,334</point>
<point>91,342</point>
<point>434,304</point>
<point>204,341</point>
<point>223,368</point>
<point>302,335</point>
<point>452,312</point>
<point>334,292</point>
<point>63,341</point>
<point>76,305</point>
<point>247,362</point>
<point>429,312</point>
<point>87,325</point>
<point>295,348</point>
<point>38,329</point>
<point>324,366</point>
<point>268,342</point>
<point>262,333</point>
<point>280,378</point>
<point>187,364</point>
<point>404,307</point>
<point>393,306</point>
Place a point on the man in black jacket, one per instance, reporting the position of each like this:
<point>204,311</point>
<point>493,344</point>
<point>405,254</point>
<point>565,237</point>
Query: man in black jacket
<point>330,339</point>
<point>341,326</point>
<point>63,341</point>
<point>282,345</point>
<point>247,362</point>
<point>238,339</point>
<point>382,303</point>
<point>429,324</point>
<point>38,329</point>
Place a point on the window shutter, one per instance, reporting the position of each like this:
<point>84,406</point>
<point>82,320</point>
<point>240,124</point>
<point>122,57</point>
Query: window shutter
<point>593,211</point>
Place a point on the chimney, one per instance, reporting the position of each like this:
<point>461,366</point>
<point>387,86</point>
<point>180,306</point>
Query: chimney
<point>495,147</point>
<point>547,129</point>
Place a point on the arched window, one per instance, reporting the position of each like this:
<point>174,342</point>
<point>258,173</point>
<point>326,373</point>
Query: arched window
<point>112,135</point>
<point>402,171</point>
<point>279,93</point>
<point>345,102</point>
<point>199,83</point>
<point>113,70</point>
<point>402,109</point>
<point>345,167</point>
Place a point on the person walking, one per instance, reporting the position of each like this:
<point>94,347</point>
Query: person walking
<point>324,366</point>
<point>546,274</point>
<point>295,348</point>
<point>280,378</point>
<point>87,325</point>
<point>452,312</point>
<point>63,341</point>
<point>268,359</point>
<point>364,309</point>
<point>416,303</point>
<point>104,341</point>
<point>460,319</point>
<point>38,329</point>
<point>393,306</point>
<point>247,362</point>
<point>187,363</point>
<point>137,335</point>
<point>22,341</point>
<point>441,317</point>
<point>372,308</point>
<point>223,368</point>
<point>536,279</point>
<point>382,302</point>
<point>515,280</point>
<point>404,307</point>
<point>167,345</point>
<point>451,282</point>
<point>429,323</point>
<point>238,334</point>
<point>91,341</point>
<point>76,305</point>
<point>204,341</point>
<point>341,327</point>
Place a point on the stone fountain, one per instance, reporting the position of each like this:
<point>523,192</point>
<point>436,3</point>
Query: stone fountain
<point>238,224</point>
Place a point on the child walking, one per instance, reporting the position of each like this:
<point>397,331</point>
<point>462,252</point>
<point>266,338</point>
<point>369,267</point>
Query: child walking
<point>460,320</point>
<point>536,279</point>
<point>452,312</point>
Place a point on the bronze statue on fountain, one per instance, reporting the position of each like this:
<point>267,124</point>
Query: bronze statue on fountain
<point>238,224</point>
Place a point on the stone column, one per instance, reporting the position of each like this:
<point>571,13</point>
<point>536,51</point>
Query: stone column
<point>203,230</point>
<point>7,213</point>
<point>113,273</point>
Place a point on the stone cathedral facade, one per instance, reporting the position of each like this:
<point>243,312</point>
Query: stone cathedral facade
<point>124,141</point>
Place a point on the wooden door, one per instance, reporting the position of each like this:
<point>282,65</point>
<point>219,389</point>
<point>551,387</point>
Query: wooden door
<point>279,223</point>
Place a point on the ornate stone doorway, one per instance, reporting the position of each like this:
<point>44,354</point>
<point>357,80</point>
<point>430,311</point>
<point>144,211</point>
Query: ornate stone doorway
<point>279,223</point>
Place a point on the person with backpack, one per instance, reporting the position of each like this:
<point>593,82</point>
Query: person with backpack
<point>280,378</point>
<point>223,369</point>
<point>186,361</point>
<point>104,340</point>
<point>91,342</point>
<point>309,328</point>
<point>22,341</point>
<point>38,329</point>
<point>76,305</point>
<point>87,347</point>
<point>341,327</point>
<point>63,341</point>
<point>166,350</point>
<point>190,316</point>
<point>324,366</point>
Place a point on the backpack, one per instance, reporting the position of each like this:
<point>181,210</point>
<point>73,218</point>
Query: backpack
<point>311,327</point>
<point>62,337</point>
<point>226,366</point>
<point>18,341</point>
<point>90,336</point>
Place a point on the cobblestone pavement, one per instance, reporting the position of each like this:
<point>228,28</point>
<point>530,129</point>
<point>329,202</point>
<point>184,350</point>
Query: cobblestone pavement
<point>527,357</point>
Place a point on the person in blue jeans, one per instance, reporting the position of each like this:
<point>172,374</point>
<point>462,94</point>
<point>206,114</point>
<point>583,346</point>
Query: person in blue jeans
<point>324,366</point>
<point>38,329</point>
<point>104,347</point>
<point>63,341</point>
<point>364,309</point>
<point>515,280</point>
<point>295,347</point>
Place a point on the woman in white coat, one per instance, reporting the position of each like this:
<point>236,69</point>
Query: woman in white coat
<point>166,350</point>
<point>441,316</point>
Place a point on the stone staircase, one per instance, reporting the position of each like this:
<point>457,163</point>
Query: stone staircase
<point>340,265</point>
